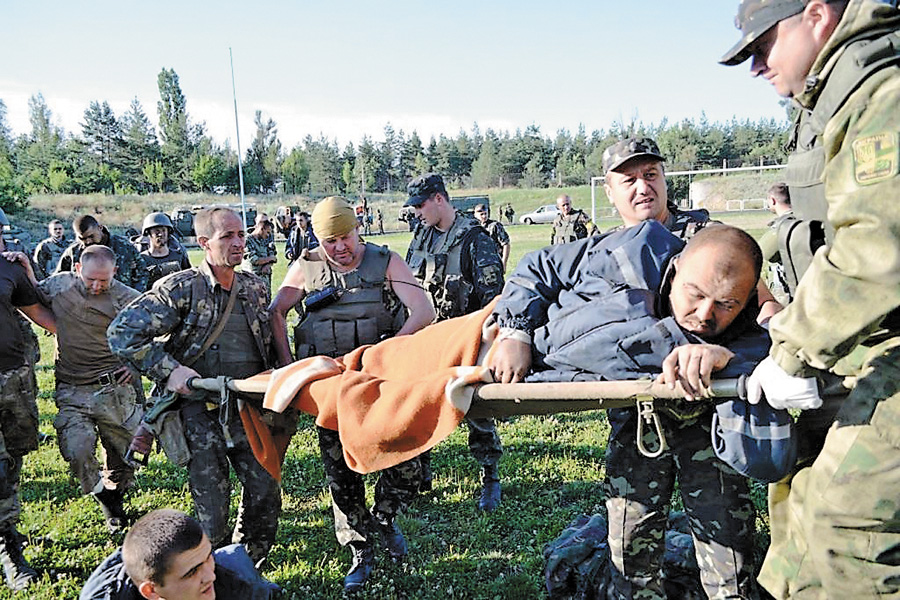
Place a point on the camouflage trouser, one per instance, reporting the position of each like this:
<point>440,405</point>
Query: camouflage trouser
<point>32,346</point>
<point>208,470</point>
<point>836,525</point>
<point>113,412</point>
<point>18,436</point>
<point>484,443</point>
<point>638,491</point>
<point>396,487</point>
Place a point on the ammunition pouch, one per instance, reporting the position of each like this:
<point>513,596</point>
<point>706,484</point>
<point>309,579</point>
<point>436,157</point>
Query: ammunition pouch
<point>169,431</point>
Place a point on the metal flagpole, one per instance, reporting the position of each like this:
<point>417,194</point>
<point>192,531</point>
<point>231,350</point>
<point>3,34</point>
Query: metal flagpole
<point>237,131</point>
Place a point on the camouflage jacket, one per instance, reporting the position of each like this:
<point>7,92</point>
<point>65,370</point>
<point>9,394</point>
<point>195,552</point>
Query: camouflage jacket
<point>497,233</point>
<point>574,226</point>
<point>255,249</point>
<point>851,286</point>
<point>169,324</point>
<point>47,255</point>
<point>130,268</point>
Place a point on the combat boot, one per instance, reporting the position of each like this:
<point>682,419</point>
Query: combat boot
<point>363,563</point>
<point>113,511</point>
<point>490,489</point>
<point>19,573</point>
<point>392,539</point>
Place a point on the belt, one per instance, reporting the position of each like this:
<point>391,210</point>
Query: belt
<point>105,379</point>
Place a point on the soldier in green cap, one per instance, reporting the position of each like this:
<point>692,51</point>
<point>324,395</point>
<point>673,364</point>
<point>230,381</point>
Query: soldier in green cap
<point>836,525</point>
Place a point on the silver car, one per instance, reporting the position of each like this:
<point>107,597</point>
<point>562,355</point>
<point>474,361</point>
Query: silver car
<point>544,214</point>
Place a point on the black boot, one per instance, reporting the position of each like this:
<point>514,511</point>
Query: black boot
<point>392,539</point>
<point>113,511</point>
<point>490,489</point>
<point>363,563</point>
<point>19,573</point>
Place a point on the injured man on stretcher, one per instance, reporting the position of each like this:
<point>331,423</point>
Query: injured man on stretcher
<point>634,304</point>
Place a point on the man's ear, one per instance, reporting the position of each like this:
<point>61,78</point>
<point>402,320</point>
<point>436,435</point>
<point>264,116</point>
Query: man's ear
<point>78,269</point>
<point>202,241</point>
<point>148,590</point>
<point>822,17</point>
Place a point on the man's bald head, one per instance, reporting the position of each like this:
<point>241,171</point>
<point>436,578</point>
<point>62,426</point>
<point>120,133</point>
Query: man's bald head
<point>715,276</point>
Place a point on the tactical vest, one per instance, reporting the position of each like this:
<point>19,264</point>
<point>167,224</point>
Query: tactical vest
<point>234,353</point>
<point>440,272</point>
<point>806,164</point>
<point>569,228</point>
<point>366,311</point>
<point>160,266</point>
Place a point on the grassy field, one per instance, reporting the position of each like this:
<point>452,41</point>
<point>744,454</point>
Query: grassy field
<point>552,471</point>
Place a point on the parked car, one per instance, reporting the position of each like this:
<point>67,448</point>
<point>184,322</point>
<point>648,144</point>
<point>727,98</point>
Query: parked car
<point>544,214</point>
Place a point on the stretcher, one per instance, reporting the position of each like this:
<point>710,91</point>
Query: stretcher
<point>545,398</point>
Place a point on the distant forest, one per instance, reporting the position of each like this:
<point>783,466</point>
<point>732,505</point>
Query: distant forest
<point>129,154</point>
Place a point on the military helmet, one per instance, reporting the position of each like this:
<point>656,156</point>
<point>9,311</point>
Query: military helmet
<point>4,222</point>
<point>156,219</point>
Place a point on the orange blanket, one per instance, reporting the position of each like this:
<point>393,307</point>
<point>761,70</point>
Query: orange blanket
<point>390,401</point>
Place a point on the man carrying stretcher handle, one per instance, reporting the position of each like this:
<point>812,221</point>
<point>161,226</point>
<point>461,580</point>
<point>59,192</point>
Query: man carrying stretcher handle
<point>628,306</point>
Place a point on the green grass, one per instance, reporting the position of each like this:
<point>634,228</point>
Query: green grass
<point>552,471</point>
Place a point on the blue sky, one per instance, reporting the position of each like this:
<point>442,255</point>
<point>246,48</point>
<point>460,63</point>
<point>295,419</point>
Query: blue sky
<point>346,67</point>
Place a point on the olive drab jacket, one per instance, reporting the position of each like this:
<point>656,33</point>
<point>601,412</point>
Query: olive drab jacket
<point>844,174</point>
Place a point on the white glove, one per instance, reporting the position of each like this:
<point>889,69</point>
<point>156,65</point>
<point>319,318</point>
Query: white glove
<point>782,390</point>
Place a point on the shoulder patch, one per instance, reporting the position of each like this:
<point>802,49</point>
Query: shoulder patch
<point>876,158</point>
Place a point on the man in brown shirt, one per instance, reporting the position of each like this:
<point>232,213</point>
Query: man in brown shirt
<point>97,396</point>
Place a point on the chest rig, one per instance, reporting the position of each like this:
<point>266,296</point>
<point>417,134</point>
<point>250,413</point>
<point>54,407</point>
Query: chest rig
<point>366,309</point>
<point>809,230</point>
<point>440,271</point>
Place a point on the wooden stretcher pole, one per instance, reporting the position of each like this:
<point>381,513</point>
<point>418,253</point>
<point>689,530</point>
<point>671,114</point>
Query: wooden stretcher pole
<point>508,399</point>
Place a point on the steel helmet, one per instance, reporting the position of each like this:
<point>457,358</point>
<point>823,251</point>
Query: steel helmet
<point>156,219</point>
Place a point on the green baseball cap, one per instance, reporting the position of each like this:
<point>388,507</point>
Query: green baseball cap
<point>754,18</point>
<point>622,151</point>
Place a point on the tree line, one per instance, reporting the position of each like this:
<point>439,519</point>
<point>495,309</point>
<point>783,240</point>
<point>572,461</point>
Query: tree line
<point>129,154</point>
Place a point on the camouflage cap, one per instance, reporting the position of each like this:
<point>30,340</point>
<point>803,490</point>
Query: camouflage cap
<point>422,187</point>
<point>624,150</point>
<point>754,18</point>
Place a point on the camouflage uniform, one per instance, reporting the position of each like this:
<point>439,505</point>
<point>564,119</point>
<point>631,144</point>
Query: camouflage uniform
<point>255,249</point>
<point>497,233</point>
<point>836,527</point>
<point>87,406</point>
<point>574,226</point>
<point>130,268</point>
<point>365,313</point>
<point>638,489</point>
<point>47,255</point>
<point>461,272</point>
<point>185,308</point>
<point>160,266</point>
